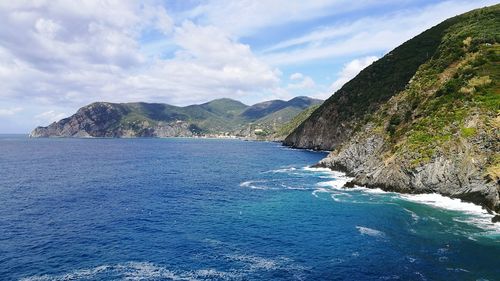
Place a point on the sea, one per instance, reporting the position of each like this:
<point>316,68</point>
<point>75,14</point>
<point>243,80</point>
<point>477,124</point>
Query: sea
<point>211,209</point>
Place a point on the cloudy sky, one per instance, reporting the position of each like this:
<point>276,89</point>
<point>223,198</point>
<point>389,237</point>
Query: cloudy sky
<point>59,55</point>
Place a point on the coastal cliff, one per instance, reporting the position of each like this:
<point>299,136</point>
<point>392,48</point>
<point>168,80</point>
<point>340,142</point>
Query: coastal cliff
<point>217,118</point>
<point>424,118</point>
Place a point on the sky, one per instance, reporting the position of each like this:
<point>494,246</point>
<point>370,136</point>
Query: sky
<point>59,55</point>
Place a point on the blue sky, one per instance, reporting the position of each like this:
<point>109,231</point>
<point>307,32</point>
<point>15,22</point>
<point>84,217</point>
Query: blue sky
<point>57,56</point>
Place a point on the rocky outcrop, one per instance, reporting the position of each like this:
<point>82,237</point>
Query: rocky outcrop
<point>422,119</point>
<point>104,120</point>
<point>460,174</point>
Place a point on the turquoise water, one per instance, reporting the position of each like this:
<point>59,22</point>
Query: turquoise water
<point>194,209</point>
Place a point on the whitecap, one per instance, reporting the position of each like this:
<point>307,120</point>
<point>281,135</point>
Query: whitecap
<point>457,269</point>
<point>414,215</point>
<point>137,271</point>
<point>338,183</point>
<point>255,262</point>
<point>255,184</point>
<point>319,190</point>
<point>375,191</point>
<point>335,197</point>
<point>282,170</point>
<point>319,169</point>
<point>477,215</point>
<point>370,231</point>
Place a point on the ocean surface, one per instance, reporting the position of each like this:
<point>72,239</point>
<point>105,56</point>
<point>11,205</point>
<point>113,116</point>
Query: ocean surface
<point>201,209</point>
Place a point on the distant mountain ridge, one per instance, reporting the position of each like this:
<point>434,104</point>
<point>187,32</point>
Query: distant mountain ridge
<point>220,117</point>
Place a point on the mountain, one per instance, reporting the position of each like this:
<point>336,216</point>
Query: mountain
<point>220,117</point>
<point>424,118</point>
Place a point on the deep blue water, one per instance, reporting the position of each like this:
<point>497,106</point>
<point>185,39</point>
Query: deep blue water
<point>192,209</point>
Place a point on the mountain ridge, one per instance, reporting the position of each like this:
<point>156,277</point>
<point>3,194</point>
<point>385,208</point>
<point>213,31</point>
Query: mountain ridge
<point>219,117</point>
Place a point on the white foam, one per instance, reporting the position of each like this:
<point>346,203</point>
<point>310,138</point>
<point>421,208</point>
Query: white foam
<point>457,269</point>
<point>319,190</point>
<point>443,202</point>
<point>477,215</point>
<point>254,184</point>
<point>318,169</point>
<point>370,231</point>
<point>338,197</point>
<point>375,190</point>
<point>137,271</point>
<point>414,216</point>
<point>282,170</point>
<point>255,262</point>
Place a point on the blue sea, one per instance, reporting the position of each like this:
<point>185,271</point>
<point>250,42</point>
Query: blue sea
<point>203,209</point>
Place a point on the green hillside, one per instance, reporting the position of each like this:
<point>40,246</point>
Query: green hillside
<point>424,118</point>
<point>221,117</point>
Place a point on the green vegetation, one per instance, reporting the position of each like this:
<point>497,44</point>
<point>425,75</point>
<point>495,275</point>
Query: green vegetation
<point>424,118</point>
<point>434,94</point>
<point>287,128</point>
<point>218,117</point>
<point>468,132</point>
<point>458,83</point>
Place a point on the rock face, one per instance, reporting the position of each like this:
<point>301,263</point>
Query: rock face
<point>220,117</point>
<point>422,119</point>
<point>102,119</point>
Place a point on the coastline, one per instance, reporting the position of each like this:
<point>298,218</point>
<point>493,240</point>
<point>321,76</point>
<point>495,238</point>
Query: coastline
<point>480,216</point>
<point>354,183</point>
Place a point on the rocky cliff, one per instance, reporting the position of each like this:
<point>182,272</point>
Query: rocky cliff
<point>424,118</point>
<point>221,117</point>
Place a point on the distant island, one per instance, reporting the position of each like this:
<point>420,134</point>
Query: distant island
<point>220,118</point>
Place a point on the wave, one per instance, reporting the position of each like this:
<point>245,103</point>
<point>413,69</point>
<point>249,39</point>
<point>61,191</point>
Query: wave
<point>476,214</point>
<point>282,170</point>
<point>413,215</point>
<point>334,183</point>
<point>255,184</point>
<point>444,202</point>
<point>150,271</point>
<point>136,271</point>
<point>255,263</point>
<point>370,231</point>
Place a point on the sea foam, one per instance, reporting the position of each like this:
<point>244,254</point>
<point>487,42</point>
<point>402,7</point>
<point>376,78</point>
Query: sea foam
<point>138,271</point>
<point>370,231</point>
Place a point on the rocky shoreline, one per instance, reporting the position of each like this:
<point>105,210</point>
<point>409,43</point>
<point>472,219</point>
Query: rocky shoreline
<point>453,177</point>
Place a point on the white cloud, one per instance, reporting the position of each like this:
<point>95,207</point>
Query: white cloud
<point>366,35</point>
<point>10,111</point>
<point>350,70</point>
<point>245,17</point>
<point>72,53</point>
<point>208,64</point>
<point>304,82</point>
<point>47,27</point>
<point>50,116</point>
<point>297,76</point>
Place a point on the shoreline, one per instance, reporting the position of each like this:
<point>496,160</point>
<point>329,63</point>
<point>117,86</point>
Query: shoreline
<point>432,199</point>
<point>353,184</point>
